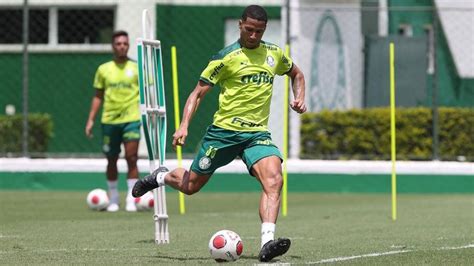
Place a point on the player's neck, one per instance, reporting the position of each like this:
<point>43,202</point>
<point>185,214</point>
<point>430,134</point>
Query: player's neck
<point>120,60</point>
<point>250,48</point>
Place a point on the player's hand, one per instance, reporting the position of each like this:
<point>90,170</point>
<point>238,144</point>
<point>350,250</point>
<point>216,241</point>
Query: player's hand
<point>298,106</point>
<point>179,137</point>
<point>88,130</point>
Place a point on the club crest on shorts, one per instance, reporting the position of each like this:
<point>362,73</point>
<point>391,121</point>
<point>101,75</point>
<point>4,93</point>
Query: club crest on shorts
<point>270,61</point>
<point>205,163</point>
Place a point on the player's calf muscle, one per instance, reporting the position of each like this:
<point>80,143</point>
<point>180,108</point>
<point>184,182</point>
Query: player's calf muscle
<point>179,179</point>
<point>186,181</point>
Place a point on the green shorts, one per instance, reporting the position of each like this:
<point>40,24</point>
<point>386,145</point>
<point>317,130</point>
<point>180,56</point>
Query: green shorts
<point>221,146</point>
<point>114,134</point>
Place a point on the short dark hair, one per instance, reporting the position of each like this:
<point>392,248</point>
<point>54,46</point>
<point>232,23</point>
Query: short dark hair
<point>118,33</point>
<point>255,12</point>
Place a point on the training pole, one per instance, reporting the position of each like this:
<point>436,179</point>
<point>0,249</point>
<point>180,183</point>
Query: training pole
<point>284,208</point>
<point>179,155</point>
<point>392,131</point>
<point>153,117</point>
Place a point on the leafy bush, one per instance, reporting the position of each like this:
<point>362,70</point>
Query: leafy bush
<point>365,134</point>
<point>456,133</point>
<point>40,131</point>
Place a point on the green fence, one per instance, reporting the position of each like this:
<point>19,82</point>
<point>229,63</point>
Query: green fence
<point>60,85</point>
<point>60,80</point>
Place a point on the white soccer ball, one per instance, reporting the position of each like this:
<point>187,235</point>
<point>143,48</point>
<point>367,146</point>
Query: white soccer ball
<point>145,202</point>
<point>226,245</point>
<point>98,199</point>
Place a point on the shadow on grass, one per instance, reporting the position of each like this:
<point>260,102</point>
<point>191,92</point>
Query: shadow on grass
<point>147,241</point>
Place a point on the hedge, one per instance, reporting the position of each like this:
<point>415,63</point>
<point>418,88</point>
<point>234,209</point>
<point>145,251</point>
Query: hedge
<point>40,131</point>
<point>365,134</point>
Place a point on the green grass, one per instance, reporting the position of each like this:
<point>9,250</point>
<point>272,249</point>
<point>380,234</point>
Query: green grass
<point>57,228</point>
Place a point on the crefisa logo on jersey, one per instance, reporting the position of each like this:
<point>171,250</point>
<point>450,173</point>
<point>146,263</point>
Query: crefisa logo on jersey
<point>270,61</point>
<point>262,77</point>
<point>216,71</point>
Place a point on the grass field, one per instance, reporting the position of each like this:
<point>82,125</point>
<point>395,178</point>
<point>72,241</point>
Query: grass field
<point>57,228</point>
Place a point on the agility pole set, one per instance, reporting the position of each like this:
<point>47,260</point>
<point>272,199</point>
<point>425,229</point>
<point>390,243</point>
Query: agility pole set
<point>153,117</point>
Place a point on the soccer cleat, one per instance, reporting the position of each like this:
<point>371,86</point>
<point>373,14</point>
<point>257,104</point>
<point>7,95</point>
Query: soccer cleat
<point>148,183</point>
<point>130,206</point>
<point>113,207</point>
<point>274,248</point>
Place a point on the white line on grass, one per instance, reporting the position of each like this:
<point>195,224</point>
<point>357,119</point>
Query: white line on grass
<point>7,236</point>
<point>68,250</point>
<point>383,254</point>
<point>461,247</point>
<point>360,256</point>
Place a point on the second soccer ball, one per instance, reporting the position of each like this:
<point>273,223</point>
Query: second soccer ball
<point>98,199</point>
<point>145,202</point>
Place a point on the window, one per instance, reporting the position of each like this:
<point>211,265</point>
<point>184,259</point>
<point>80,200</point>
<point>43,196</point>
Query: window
<point>85,25</point>
<point>58,25</point>
<point>11,26</point>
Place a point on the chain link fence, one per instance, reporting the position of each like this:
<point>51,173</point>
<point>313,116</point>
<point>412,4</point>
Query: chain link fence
<point>340,46</point>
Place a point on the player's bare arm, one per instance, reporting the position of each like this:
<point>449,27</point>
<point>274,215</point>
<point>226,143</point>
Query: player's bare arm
<point>190,108</point>
<point>95,106</point>
<point>298,87</point>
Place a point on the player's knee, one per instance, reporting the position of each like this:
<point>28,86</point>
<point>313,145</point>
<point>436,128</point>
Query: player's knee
<point>131,158</point>
<point>112,160</point>
<point>273,181</point>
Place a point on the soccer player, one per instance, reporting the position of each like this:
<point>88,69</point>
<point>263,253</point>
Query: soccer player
<point>245,71</point>
<point>116,86</point>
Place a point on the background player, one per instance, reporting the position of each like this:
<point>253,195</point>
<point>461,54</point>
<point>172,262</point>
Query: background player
<point>116,84</point>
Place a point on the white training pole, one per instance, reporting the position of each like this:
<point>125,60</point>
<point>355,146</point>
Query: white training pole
<point>154,118</point>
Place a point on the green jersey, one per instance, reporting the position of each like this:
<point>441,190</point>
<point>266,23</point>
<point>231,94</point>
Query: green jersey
<point>246,80</point>
<point>121,94</point>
